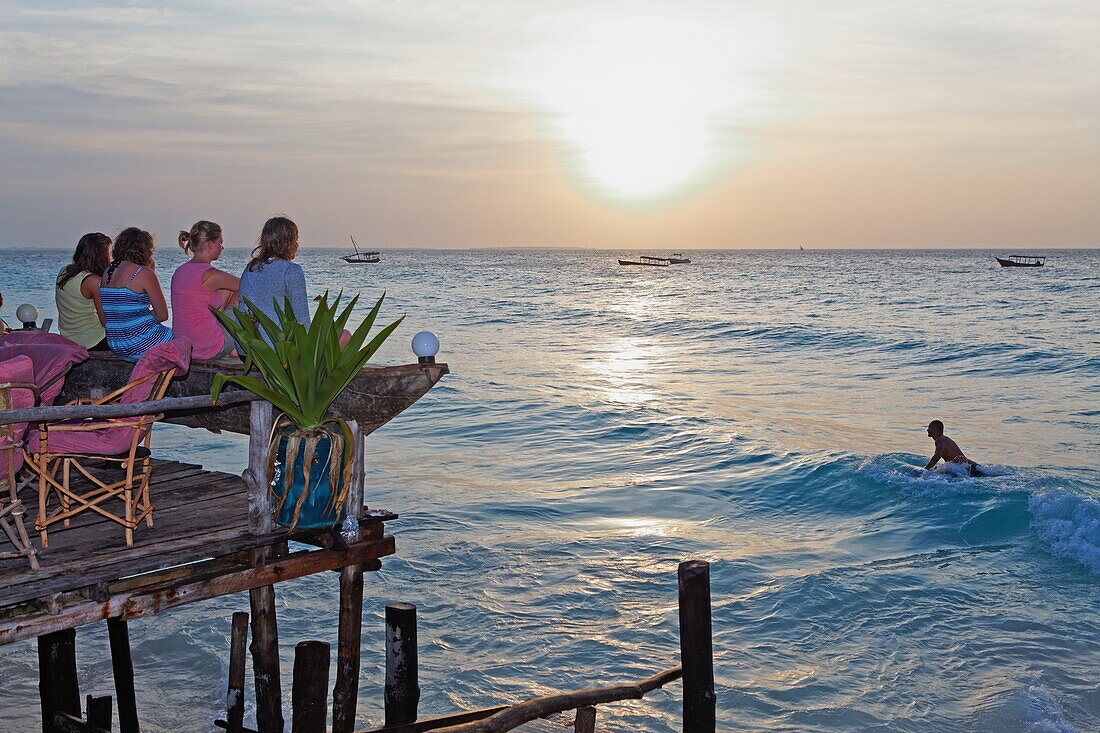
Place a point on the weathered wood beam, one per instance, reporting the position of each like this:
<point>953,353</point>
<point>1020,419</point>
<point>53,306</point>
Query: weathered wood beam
<point>141,558</point>
<point>99,711</point>
<point>696,651</point>
<point>65,723</point>
<point>123,667</point>
<point>345,692</point>
<point>442,721</point>
<point>540,707</point>
<point>585,721</point>
<point>137,603</point>
<point>255,476</point>
<point>309,694</point>
<point>100,412</point>
<point>234,696</point>
<point>58,686</point>
<point>402,693</point>
<point>420,726</point>
<point>265,659</point>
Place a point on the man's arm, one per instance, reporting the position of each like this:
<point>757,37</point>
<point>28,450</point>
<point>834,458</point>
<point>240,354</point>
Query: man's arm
<point>935,459</point>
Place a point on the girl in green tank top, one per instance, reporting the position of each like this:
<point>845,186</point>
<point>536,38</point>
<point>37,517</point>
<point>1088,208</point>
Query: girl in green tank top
<point>78,318</point>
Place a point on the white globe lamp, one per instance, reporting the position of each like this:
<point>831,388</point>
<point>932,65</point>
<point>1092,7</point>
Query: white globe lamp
<point>425,345</point>
<point>27,315</point>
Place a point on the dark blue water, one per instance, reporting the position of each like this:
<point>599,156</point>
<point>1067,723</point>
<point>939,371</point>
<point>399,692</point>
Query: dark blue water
<point>762,410</point>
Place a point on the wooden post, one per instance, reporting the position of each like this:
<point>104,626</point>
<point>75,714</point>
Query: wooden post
<point>234,696</point>
<point>123,667</point>
<point>355,491</point>
<point>58,687</point>
<point>586,720</point>
<point>99,712</point>
<point>255,477</point>
<point>345,693</point>
<point>265,660</point>
<point>696,653</point>
<point>402,688</point>
<point>308,698</point>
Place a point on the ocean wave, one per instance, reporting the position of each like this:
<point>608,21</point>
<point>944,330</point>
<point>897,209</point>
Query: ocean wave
<point>1065,521</point>
<point>1069,525</point>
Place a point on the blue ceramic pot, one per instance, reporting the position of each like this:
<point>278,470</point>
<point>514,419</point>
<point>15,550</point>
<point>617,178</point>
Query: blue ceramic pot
<point>317,507</point>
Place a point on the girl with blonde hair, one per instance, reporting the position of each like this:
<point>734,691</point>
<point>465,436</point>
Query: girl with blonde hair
<point>198,287</point>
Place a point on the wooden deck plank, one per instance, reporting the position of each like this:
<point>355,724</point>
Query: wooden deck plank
<point>198,515</point>
<point>142,602</point>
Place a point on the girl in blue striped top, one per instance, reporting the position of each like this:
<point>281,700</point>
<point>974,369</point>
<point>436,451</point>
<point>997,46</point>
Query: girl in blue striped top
<point>130,297</point>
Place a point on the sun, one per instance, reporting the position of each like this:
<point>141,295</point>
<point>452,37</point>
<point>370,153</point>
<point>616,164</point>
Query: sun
<point>641,96</point>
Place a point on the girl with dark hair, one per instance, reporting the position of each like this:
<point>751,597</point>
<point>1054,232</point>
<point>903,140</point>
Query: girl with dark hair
<point>197,287</point>
<point>130,298</point>
<point>79,318</point>
<point>271,276</point>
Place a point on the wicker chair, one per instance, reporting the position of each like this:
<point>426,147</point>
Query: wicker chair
<point>64,453</point>
<point>12,393</point>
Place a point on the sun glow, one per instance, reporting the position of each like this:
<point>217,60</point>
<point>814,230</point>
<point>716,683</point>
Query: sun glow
<point>643,95</point>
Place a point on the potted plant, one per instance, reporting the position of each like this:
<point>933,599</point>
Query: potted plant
<point>304,369</point>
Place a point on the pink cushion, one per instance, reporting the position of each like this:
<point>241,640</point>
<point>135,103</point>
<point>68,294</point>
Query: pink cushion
<point>51,357</point>
<point>116,439</point>
<point>15,369</point>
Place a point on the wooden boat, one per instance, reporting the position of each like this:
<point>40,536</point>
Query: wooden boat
<point>361,258</point>
<point>373,398</point>
<point>1021,261</point>
<point>647,262</point>
<point>678,258</point>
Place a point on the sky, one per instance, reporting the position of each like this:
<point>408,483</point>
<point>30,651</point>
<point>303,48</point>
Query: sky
<point>692,124</point>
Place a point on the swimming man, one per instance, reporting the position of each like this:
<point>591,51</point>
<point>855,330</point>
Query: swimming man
<point>948,450</point>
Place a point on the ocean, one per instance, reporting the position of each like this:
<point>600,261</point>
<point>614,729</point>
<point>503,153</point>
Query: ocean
<point>762,410</point>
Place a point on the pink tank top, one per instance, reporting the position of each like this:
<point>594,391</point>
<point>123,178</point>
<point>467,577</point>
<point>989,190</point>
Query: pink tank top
<point>191,316</point>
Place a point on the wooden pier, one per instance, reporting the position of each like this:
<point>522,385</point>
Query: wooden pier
<point>199,547</point>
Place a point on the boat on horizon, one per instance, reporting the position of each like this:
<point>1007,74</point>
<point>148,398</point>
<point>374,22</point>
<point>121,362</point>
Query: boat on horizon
<point>678,258</point>
<point>646,261</point>
<point>361,258</point>
<point>1021,261</point>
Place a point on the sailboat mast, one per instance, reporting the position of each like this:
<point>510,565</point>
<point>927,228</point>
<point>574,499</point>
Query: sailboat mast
<point>356,246</point>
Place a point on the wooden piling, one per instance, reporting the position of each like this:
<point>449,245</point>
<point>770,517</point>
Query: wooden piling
<point>586,720</point>
<point>123,667</point>
<point>99,712</point>
<point>696,652</point>
<point>309,695</point>
<point>234,695</point>
<point>255,476</point>
<point>265,660</point>
<point>345,693</point>
<point>58,687</point>
<point>402,687</point>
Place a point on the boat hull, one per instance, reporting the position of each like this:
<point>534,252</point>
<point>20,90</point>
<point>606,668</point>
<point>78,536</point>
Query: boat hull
<point>643,264</point>
<point>372,399</point>
<point>1010,263</point>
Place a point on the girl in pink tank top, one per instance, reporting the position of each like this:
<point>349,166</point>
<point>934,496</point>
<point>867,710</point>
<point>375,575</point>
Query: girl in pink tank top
<point>197,286</point>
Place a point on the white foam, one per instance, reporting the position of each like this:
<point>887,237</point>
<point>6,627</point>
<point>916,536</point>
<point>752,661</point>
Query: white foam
<point>1069,524</point>
<point>1043,714</point>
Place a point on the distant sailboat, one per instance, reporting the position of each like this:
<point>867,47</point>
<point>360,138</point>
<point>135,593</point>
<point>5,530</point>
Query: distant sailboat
<point>360,258</point>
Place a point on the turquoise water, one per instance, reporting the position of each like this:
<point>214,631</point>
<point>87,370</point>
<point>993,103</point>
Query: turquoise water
<point>761,410</point>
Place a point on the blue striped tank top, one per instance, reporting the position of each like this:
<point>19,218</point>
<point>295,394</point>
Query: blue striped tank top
<point>130,326</point>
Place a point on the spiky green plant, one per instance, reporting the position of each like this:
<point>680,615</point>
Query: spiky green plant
<point>303,369</point>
